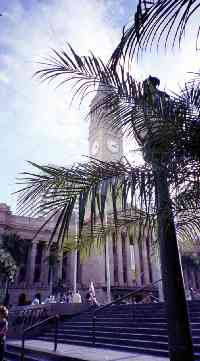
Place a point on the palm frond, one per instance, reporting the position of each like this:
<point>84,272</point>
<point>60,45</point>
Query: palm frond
<point>158,21</point>
<point>128,191</point>
<point>121,101</point>
<point>138,109</point>
<point>187,209</point>
<point>55,191</point>
<point>85,72</point>
<point>128,218</point>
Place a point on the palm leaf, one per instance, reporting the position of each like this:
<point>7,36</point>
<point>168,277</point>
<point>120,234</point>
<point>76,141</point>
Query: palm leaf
<point>120,185</point>
<point>96,180</point>
<point>139,110</point>
<point>160,22</point>
<point>160,124</point>
<point>122,103</point>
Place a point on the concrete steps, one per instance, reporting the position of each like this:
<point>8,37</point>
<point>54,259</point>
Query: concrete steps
<point>131,328</point>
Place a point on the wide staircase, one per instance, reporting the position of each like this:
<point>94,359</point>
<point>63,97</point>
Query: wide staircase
<point>134,328</point>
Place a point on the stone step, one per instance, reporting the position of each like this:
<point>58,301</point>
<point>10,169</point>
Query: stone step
<point>125,316</point>
<point>131,336</point>
<point>114,334</point>
<point>121,323</point>
<point>134,328</point>
<point>116,328</point>
<point>122,319</point>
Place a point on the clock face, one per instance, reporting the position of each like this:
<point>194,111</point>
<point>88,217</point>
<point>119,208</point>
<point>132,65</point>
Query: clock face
<point>113,145</point>
<point>95,148</point>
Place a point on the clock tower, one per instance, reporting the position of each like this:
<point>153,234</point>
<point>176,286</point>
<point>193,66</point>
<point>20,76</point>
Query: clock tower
<point>105,143</point>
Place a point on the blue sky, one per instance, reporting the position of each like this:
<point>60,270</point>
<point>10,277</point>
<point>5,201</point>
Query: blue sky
<point>35,121</point>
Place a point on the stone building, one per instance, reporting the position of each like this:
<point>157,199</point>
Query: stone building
<point>131,265</point>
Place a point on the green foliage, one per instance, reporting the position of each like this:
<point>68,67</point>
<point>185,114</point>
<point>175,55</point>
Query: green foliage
<point>13,251</point>
<point>7,265</point>
<point>16,246</point>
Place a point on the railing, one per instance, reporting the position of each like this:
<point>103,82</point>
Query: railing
<point>131,294</point>
<point>21,319</point>
<point>43,323</point>
<point>39,325</point>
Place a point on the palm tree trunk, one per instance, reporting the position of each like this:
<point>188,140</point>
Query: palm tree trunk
<point>179,333</point>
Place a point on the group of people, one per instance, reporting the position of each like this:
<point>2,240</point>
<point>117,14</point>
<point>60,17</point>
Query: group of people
<point>69,297</point>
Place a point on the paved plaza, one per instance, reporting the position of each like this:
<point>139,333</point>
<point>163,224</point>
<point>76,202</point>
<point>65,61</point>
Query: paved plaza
<point>87,353</point>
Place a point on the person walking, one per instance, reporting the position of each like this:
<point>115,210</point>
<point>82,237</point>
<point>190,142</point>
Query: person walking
<point>3,330</point>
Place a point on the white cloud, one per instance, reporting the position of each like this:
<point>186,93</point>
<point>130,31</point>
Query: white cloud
<point>37,124</point>
<point>4,77</point>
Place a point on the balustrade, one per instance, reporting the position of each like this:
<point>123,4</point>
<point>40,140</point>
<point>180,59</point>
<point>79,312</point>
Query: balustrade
<point>23,317</point>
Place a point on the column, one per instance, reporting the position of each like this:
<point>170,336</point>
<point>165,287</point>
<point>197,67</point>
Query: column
<point>120,260</point>
<point>45,265</point>
<point>28,261</point>
<point>110,246</point>
<point>145,262</point>
<point>128,260</point>
<point>59,266</point>
<point>71,270</point>
<point>137,263</point>
<point>31,263</point>
<point>67,270</point>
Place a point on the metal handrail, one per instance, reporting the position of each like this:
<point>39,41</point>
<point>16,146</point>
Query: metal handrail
<point>114,302</point>
<point>126,296</point>
<point>36,325</point>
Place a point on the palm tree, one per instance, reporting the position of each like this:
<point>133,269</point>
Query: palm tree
<point>163,22</point>
<point>13,251</point>
<point>7,272</point>
<point>164,192</point>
